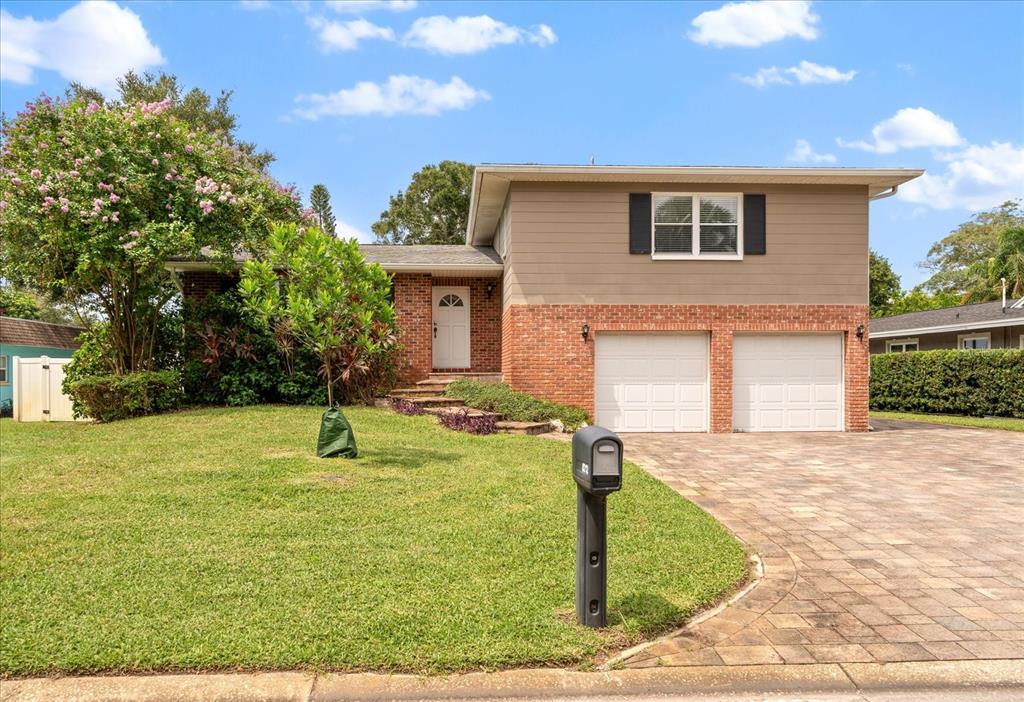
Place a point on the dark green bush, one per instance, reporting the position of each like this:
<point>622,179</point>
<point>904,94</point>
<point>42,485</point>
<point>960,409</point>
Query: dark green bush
<point>111,397</point>
<point>970,382</point>
<point>230,360</point>
<point>513,405</point>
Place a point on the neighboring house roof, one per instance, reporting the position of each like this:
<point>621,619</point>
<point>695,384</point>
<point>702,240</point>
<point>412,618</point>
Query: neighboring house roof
<point>979,316</point>
<point>452,260</point>
<point>30,332</point>
<point>427,258</point>
<point>491,182</point>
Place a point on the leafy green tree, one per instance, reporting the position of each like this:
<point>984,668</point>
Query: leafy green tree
<point>434,209</point>
<point>884,285</point>
<point>320,203</point>
<point>919,300</point>
<point>18,303</point>
<point>319,291</point>
<point>952,259</point>
<point>985,278</point>
<point>194,106</point>
<point>94,200</point>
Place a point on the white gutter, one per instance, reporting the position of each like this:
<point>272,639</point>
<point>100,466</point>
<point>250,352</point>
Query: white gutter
<point>1016,321</point>
<point>883,195</point>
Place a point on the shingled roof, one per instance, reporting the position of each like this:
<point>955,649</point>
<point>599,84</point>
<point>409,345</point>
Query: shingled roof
<point>431,255</point>
<point>30,332</point>
<point>951,318</point>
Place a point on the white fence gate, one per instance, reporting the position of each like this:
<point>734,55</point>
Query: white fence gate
<point>37,390</point>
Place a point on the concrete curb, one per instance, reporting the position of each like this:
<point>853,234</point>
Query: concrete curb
<point>718,680</point>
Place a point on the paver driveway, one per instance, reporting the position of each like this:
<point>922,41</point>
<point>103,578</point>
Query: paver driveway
<point>897,545</point>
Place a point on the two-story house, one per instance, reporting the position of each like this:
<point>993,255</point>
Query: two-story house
<point>661,299</point>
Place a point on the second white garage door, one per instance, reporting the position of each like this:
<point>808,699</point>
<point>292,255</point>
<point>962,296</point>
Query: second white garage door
<point>651,382</point>
<point>788,382</point>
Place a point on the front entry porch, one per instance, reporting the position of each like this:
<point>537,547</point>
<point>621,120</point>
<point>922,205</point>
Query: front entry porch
<point>448,324</point>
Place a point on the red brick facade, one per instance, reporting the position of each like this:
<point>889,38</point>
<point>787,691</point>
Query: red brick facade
<point>414,312</point>
<point>198,284</point>
<point>543,351</point>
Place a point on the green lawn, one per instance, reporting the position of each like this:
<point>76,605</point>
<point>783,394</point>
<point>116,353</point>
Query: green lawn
<point>214,539</point>
<point>1007,423</point>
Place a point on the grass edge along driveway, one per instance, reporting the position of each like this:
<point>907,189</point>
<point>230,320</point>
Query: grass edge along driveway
<point>1005,423</point>
<point>214,539</point>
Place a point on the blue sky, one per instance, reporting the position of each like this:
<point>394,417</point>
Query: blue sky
<point>360,95</point>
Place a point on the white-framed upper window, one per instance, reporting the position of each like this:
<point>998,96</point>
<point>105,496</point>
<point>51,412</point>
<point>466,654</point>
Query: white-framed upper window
<point>974,341</point>
<point>3,370</point>
<point>697,225</point>
<point>901,345</point>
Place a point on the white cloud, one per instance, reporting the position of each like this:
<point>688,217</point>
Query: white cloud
<point>350,231</point>
<point>399,95</point>
<point>92,42</point>
<point>469,35</point>
<point>803,73</point>
<point>360,6</point>
<point>910,128</point>
<point>803,153</point>
<point>345,36</point>
<point>750,24</point>
<point>975,178</point>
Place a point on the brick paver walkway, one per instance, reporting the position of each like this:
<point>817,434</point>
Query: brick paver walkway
<point>902,545</point>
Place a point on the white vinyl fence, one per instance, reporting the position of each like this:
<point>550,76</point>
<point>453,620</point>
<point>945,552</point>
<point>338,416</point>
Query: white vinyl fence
<point>37,390</point>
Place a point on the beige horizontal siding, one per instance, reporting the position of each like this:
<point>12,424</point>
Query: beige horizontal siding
<point>569,244</point>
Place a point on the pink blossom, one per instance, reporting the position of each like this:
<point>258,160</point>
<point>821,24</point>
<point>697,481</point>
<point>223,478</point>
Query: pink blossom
<point>206,185</point>
<point>222,198</point>
<point>105,186</point>
<point>133,233</point>
<point>169,176</point>
<point>188,148</point>
<point>3,205</point>
<point>130,245</point>
<point>114,197</point>
<point>73,174</point>
<point>114,217</point>
<point>35,173</point>
<point>206,206</point>
<point>78,162</point>
<point>98,152</point>
<point>64,208</point>
<point>44,146</point>
<point>105,218</point>
<point>16,180</point>
<point>92,107</point>
<point>47,201</point>
<point>43,189</point>
<point>155,162</point>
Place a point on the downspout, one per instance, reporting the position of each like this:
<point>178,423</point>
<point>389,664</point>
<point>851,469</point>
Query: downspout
<point>883,195</point>
<point>1003,281</point>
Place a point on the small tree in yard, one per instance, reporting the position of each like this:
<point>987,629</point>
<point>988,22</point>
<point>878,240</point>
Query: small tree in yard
<point>94,200</point>
<point>320,292</point>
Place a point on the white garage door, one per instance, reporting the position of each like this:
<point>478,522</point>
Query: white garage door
<point>788,382</point>
<point>651,382</point>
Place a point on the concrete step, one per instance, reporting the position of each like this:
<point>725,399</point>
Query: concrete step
<point>433,401</point>
<point>445,378</point>
<point>424,391</point>
<point>530,428</point>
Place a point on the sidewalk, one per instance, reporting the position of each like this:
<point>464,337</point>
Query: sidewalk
<point>998,679</point>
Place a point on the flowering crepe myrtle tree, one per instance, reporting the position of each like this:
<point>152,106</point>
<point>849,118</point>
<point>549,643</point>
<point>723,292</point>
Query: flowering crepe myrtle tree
<point>323,294</point>
<point>95,200</point>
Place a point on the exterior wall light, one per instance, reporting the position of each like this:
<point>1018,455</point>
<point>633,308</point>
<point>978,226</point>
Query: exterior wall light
<point>860,332</point>
<point>585,332</point>
<point>489,288</point>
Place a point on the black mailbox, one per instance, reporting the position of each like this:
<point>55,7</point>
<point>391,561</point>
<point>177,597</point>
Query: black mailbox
<point>597,460</point>
<point>597,470</point>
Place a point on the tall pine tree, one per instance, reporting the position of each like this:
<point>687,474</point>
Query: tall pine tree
<point>320,203</point>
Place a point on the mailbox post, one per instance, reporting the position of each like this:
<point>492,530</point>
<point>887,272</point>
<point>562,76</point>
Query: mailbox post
<point>597,470</point>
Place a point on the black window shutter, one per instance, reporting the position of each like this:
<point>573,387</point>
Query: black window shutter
<point>754,243</point>
<point>639,223</point>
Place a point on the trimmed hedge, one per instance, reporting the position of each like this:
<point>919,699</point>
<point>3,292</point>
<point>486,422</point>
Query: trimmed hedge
<point>111,397</point>
<point>970,382</point>
<point>514,406</point>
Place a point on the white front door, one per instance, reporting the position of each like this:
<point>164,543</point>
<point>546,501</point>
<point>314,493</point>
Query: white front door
<point>651,382</point>
<point>788,382</point>
<point>451,328</point>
